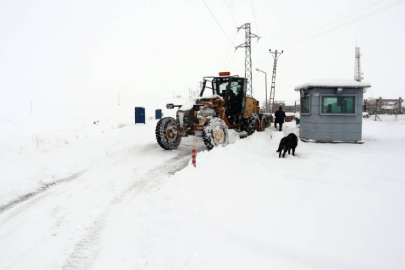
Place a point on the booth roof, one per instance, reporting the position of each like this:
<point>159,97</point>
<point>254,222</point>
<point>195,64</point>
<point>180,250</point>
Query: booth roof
<point>344,83</point>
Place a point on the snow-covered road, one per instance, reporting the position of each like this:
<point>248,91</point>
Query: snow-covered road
<point>64,219</point>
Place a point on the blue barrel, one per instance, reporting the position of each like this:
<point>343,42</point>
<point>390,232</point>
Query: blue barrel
<point>158,114</point>
<point>139,115</point>
<point>297,121</point>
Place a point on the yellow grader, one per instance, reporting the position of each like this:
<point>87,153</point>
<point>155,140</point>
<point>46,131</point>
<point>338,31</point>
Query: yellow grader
<point>210,115</point>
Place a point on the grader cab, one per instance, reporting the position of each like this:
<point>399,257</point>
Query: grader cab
<point>221,105</point>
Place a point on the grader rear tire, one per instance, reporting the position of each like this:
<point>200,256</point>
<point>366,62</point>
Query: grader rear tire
<point>252,124</point>
<point>262,123</point>
<point>165,136</point>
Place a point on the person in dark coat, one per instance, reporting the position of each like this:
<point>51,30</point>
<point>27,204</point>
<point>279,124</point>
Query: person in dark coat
<point>280,114</point>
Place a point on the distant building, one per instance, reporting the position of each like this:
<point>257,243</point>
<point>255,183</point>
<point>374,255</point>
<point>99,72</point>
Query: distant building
<point>278,104</point>
<point>286,108</point>
<point>292,108</point>
<point>389,109</point>
<point>383,106</point>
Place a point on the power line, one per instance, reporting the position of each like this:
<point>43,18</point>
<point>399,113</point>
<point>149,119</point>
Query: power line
<point>229,50</point>
<point>349,15</point>
<point>230,61</point>
<point>346,24</point>
<point>236,24</point>
<point>339,26</point>
<point>217,22</point>
<point>254,15</point>
<point>329,24</point>
<point>264,60</point>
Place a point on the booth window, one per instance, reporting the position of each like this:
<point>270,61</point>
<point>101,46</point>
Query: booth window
<point>338,104</point>
<point>305,105</point>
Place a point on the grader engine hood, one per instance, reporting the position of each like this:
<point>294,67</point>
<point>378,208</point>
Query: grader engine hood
<point>188,105</point>
<point>191,116</point>
<point>195,108</point>
<point>207,104</point>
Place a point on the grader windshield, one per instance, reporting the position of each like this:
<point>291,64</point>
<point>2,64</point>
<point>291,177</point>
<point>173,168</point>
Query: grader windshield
<point>225,87</point>
<point>232,89</point>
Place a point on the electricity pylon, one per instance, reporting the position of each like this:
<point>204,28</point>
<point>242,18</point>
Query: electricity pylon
<point>248,56</point>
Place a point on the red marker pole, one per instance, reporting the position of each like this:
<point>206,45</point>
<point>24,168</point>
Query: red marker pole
<point>193,156</point>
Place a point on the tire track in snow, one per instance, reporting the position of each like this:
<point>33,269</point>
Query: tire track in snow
<point>110,152</point>
<point>47,230</point>
<point>86,251</point>
<point>39,190</point>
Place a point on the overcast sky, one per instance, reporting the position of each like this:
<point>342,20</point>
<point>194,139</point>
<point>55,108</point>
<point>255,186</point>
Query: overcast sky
<point>78,54</point>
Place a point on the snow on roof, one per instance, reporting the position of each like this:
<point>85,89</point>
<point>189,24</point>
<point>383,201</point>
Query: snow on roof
<point>333,83</point>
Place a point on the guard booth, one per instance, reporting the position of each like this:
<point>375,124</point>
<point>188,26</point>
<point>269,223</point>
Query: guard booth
<point>139,115</point>
<point>331,110</point>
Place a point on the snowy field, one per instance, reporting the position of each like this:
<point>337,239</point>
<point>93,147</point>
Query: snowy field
<point>121,202</point>
<point>39,149</point>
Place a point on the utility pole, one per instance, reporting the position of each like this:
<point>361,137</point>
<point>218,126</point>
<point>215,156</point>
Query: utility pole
<point>248,56</point>
<point>376,110</point>
<point>358,75</point>
<point>275,55</point>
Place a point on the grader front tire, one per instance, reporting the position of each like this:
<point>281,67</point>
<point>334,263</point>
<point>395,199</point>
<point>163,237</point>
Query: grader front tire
<point>165,135</point>
<point>215,133</point>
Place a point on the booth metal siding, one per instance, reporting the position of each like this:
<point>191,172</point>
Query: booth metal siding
<point>332,127</point>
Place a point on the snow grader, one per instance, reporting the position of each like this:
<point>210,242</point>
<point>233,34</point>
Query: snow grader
<point>210,115</point>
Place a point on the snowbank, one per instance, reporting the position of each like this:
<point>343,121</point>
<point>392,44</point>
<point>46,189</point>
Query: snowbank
<point>329,207</point>
<point>332,206</point>
<point>37,151</point>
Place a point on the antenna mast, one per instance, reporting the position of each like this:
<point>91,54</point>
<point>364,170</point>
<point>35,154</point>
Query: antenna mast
<point>358,75</point>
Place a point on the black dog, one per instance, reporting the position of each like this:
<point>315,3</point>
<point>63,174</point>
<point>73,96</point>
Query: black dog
<point>288,143</point>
